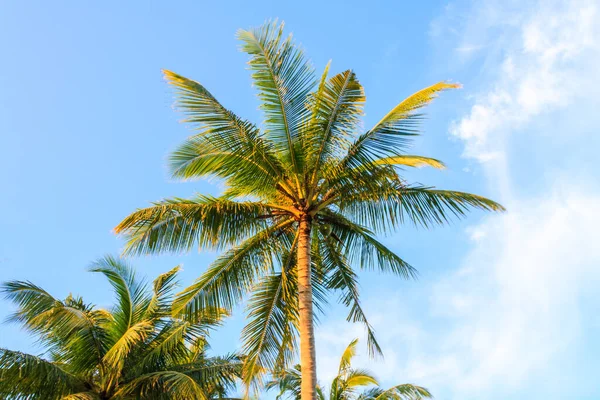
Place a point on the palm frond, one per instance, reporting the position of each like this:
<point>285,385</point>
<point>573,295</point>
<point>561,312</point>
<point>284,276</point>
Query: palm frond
<point>168,347</point>
<point>425,206</point>
<point>26,376</point>
<point>269,336</point>
<point>343,279</point>
<point>320,393</point>
<point>90,357</point>
<point>132,299</point>
<point>31,301</point>
<point>419,205</point>
<point>288,383</point>
<point>79,337</point>
<point>315,100</point>
<point>178,225</point>
<point>116,356</point>
<point>391,135</point>
<point>224,145</point>
<point>336,113</point>
<point>284,79</point>
<point>358,377</point>
<point>214,373</point>
<point>347,356</point>
<point>403,392</point>
<point>360,246</point>
<point>64,326</point>
<point>411,161</point>
<point>178,385</point>
<point>162,297</point>
<point>232,275</point>
<point>248,168</point>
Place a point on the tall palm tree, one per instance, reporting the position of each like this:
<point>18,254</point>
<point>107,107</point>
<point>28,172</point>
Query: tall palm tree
<point>306,196</point>
<point>346,384</point>
<point>135,350</point>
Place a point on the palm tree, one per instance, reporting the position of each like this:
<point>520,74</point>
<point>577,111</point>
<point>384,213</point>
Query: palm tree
<point>306,196</point>
<point>346,383</point>
<point>135,350</point>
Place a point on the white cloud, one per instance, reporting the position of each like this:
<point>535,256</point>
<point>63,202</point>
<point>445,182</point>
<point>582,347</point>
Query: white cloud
<point>511,312</point>
<point>517,304</point>
<point>546,65</point>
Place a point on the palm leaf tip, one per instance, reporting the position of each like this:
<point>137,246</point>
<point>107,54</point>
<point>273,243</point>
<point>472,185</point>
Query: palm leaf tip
<point>411,161</point>
<point>169,75</point>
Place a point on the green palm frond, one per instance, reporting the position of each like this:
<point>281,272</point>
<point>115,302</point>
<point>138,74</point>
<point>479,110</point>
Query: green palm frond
<point>116,356</point>
<point>315,100</point>
<point>370,394</point>
<point>348,383</point>
<point>347,356</point>
<point>273,319</point>
<point>60,324</point>
<point>162,294</point>
<point>284,79</point>
<point>392,134</point>
<point>343,279</point>
<point>223,143</point>
<point>425,206</point>
<point>166,348</point>
<point>288,383</point>
<point>320,393</point>
<point>26,376</point>
<point>403,392</point>
<point>178,385</point>
<point>339,107</point>
<point>204,379</point>
<point>215,373</point>
<point>407,107</point>
<point>359,377</point>
<point>397,204</point>
<point>233,274</point>
<point>411,161</point>
<point>362,248</point>
<point>132,299</point>
<point>197,158</point>
<point>31,301</point>
<point>87,340</point>
<point>179,225</point>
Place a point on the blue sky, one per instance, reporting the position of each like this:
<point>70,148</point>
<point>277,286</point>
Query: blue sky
<point>506,305</point>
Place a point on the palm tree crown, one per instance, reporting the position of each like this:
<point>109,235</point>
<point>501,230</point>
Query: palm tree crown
<point>346,384</point>
<point>134,350</point>
<point>306,195</point>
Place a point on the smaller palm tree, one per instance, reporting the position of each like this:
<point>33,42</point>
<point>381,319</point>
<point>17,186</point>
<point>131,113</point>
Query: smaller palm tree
<point>347,384</point>
<point>135,350</point>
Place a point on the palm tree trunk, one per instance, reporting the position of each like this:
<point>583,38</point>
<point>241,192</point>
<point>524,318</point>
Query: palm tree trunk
<point>305,299</point>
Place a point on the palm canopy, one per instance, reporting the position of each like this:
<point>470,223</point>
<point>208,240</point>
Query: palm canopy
<point>134,350</point>
<point>306,194</point>
<point>349,384</point>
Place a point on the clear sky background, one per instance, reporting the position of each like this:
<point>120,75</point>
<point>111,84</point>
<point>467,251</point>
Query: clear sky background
<point>506,306</point>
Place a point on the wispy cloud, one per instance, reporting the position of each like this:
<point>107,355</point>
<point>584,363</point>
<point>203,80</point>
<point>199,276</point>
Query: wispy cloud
<point>469,48</point>
<point>546,66</point>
